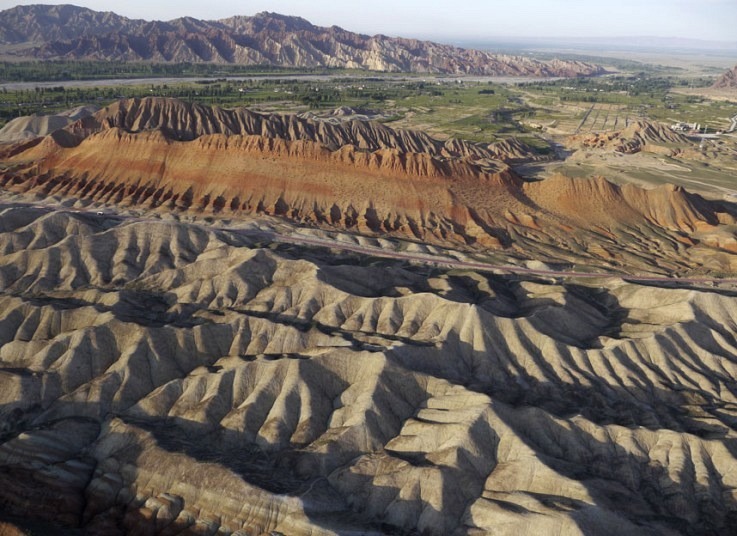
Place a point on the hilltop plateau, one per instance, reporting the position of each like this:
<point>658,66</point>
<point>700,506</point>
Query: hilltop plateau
<point>75,33</point>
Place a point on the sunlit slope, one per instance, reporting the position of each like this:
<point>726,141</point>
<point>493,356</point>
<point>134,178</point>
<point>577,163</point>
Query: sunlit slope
<point>164,377</point>
<point>170,156</point>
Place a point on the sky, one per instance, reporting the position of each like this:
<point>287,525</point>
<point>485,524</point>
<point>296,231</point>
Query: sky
<point>712,20</point>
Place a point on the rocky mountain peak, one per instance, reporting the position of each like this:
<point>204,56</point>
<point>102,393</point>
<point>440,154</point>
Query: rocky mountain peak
<point>74,33</point>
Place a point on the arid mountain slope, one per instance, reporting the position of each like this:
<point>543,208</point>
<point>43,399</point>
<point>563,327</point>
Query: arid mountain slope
<point>363,176</point>
<point>29,127</point>
<point>635,137</point>
<point>728,80</point>
<point>69,32</point>
<point>45,23</point>
<point>167,378</point>
<point>183,121</point>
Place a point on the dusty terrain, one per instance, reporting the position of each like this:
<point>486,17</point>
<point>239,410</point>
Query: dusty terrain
<point>161,375</point>
<point>168,367</point>
<point>29,127</point>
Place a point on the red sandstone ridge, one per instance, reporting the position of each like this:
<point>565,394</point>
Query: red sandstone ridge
<point>167,155</point>
<point>180,120</point>
<point>598,200</point>
<point>383,191</point>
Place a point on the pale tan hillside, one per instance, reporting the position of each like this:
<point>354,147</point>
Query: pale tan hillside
<point>29,127</point>
<point>218,321</point>
<point>163,377</point>
<point>637,136</point>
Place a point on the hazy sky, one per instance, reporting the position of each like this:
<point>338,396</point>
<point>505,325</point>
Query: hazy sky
<point>463,19</point>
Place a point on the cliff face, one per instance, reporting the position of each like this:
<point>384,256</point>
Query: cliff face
<point>68,32</point>
<point>160,374</point>
<point>185,122</point>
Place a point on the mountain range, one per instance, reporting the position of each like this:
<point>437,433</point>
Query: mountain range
<point>75,33</point>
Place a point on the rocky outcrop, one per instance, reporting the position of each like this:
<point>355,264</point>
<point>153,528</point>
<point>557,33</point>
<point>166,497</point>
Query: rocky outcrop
<point>29,127</point>
<point>184,121</point>
<point>68,32</point>
<point>635,137</point>
<point>727,81</point>
<point>46,23</point>
<point>598,200</point>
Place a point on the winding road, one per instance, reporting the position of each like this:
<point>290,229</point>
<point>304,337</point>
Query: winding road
<point>734,125</point>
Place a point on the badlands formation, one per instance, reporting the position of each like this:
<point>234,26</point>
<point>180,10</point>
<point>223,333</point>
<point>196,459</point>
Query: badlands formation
<point>169,367</point>
<point>165,154</point>
<point>33,126</point>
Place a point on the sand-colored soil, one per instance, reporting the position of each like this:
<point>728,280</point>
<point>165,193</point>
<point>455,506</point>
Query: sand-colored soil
<point>166,378</point>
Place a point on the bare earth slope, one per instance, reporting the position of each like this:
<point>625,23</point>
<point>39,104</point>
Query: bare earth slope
<point>728,80</point>
<point>160,374</point>
<point>70,32</point>
<point>168,155</point>
<point>162,377</point>
<point>635,137</point>
<point>29,127</point>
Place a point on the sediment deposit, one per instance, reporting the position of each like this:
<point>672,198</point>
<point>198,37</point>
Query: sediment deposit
<point>167,155</point>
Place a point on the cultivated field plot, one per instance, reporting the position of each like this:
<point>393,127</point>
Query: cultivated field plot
<point>603,117</point>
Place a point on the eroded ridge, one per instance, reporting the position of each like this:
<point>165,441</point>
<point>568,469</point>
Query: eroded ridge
<point>170,378</point>
<point>170,156</point>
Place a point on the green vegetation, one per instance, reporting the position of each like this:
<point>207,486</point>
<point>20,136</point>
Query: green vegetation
<point>474,110</point>
<point>636,95</point>
<point>59,71</point>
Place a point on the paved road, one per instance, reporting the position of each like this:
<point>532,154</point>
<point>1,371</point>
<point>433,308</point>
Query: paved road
<point>734,125</point>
